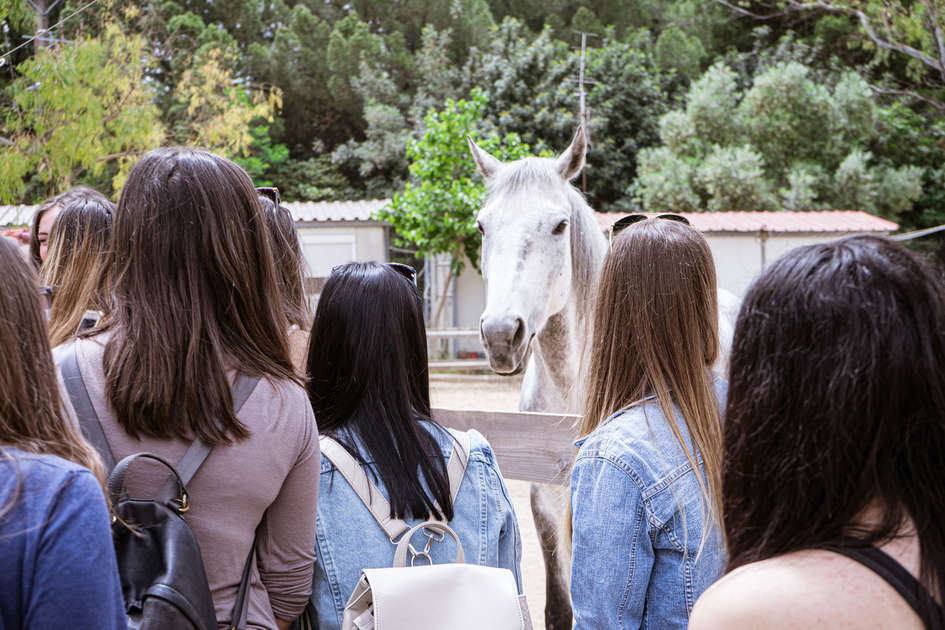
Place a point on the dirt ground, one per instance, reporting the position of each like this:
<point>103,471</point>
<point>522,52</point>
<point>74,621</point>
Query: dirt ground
<point>500,394</point>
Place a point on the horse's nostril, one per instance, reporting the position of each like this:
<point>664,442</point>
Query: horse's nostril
<point>519,333</point>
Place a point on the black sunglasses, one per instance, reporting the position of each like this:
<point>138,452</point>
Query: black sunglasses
<point>405,270</point>
<point>271,193</point>
<point>623,223</point>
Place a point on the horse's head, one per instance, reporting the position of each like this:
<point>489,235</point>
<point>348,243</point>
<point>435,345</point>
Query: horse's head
<point>526,224</point>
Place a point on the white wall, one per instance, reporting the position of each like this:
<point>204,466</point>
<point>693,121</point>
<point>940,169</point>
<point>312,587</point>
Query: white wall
<point>740,257</point>
<point>325,246</point>
<point>738,260</point>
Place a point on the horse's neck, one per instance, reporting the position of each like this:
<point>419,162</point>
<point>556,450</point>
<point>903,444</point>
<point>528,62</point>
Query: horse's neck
<point>553,379</point>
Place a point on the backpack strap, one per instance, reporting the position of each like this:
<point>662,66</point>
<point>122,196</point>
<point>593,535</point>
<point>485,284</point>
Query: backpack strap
<point>79,395</point>
<point>372,497</point>
<point>199,451</point>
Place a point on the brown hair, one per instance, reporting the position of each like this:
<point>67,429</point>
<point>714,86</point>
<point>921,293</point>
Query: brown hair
<point>655,332</point>
<point>287,253</point>
<point>76,265</point>
<point>195,294</point>
<point>79,193</point>
<point>32,416</point>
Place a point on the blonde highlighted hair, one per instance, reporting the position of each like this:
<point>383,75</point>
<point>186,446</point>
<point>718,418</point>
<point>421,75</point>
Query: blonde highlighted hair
<point>76,267</point>
<point>655,333</point>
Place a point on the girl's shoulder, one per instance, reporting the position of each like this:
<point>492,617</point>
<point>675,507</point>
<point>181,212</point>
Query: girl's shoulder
<point>805,589</point>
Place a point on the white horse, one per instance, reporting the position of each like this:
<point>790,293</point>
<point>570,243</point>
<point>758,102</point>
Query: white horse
<point>542,253</point>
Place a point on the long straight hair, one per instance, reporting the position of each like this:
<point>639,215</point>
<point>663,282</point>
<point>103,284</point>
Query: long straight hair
<point>32,416</point>
<point>76,266</point>
<point>79,193</point>
<point>836,403</point>
<point>369,383</point>
<point>655,332</point>
<point>290,264</point>
<point>195,295</point>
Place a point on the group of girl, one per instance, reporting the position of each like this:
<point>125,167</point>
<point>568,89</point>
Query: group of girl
<point>810,471</point>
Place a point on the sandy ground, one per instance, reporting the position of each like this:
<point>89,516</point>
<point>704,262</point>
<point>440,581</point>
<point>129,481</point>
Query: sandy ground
<point>500,394</point>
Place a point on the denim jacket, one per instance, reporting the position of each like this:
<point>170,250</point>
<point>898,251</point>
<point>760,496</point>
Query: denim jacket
<point>348,538</point>
<point>636,561</point>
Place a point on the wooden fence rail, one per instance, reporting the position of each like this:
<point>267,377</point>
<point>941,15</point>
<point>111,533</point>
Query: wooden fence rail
<point>529,446</point>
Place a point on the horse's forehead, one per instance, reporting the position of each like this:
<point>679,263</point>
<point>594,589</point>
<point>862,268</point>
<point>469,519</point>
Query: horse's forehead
<point>527,204</point>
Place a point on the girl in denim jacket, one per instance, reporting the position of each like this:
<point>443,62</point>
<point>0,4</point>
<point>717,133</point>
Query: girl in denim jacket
<point>645,483</point>
<point>369,388</point>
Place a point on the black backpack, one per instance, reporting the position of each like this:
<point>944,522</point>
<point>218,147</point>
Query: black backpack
<point>162,573</point>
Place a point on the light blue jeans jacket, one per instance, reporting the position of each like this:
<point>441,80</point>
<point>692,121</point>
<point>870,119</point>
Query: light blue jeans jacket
<point>348,538</point>
<point>638,521</point>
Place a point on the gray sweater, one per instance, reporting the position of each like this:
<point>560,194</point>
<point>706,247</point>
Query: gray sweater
<point>270,478</point>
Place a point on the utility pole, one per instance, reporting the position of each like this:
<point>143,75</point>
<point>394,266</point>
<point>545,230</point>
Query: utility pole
<point>582,111</point>
<point>43,10</point>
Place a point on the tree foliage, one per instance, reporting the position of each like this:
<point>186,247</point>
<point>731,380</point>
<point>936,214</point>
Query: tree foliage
<point>787,141</point>
<point>435,213</point>
<point>75,110</point>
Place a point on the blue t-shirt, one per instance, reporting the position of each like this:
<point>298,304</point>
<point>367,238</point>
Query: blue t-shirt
<point>57,562</point>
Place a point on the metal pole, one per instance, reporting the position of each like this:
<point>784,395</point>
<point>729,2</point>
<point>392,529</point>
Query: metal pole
<point>583,106</point>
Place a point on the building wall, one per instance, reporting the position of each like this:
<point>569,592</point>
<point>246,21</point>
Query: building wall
<point>327,245</point>
<point>738,260</point>
<point>740,257</point>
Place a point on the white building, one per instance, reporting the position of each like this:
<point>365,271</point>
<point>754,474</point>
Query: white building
<point>742,243</point>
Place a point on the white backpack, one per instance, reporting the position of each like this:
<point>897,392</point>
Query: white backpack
<point>428,597</point>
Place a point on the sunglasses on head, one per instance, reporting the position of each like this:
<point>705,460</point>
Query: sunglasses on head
<point>405,270</point>
<point>271,193</point>
<point>623,223</point>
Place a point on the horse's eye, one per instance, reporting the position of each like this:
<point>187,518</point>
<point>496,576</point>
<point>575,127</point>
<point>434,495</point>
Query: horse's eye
<point>479,227</point>
<point>560,227</point>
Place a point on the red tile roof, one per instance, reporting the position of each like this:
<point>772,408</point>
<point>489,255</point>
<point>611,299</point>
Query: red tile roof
<point>841,221</point>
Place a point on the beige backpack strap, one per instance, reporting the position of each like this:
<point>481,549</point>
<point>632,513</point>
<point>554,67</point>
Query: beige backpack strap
<point>369,494</point>
<point>456,466</point>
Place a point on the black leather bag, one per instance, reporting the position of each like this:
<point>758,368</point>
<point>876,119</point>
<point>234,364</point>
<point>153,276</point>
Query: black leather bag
<point>162,575</point>
<point>162,572</point>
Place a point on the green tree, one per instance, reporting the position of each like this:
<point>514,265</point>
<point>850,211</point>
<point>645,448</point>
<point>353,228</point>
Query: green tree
<point>435,213</point>
<point>897,32</point>
<point>786,141</point>
<point>77,109</point>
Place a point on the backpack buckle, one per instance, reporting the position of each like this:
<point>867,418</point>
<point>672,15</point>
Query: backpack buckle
<point>182,503</point>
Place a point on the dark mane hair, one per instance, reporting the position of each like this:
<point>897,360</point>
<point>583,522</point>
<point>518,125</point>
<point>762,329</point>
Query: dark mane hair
<point>195,295</point>
<point>287,253</point>
<point>369,382</point>
<point>73,195</point>
<point>836,403</point>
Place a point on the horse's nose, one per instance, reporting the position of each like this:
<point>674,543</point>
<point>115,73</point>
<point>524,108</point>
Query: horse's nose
<point>502,334</point>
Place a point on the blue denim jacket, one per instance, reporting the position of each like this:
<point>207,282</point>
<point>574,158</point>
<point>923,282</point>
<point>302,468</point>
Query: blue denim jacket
<point>636,561</point>
<point>348,538</point>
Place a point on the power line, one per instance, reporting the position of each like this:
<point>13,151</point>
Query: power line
<point>29,40</point>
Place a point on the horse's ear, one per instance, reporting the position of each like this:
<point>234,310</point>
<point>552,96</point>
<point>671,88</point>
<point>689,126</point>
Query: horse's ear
<point>571,161</point>
<point>487,164</point>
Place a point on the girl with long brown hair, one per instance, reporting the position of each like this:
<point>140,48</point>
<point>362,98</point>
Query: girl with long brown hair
<point>196,303</point>
<point>645,483</point>
<point>55,542</point>
<point>290,265</point>
<point>76,267</point>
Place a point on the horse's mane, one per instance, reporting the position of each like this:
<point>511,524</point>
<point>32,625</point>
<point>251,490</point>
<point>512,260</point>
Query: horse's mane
<point>521,174</point>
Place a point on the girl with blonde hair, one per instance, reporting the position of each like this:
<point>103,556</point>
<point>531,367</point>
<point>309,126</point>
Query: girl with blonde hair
<point>645,483</point>
<point>76,267</point>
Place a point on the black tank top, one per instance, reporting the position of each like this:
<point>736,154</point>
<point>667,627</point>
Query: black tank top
<point>883,565</point>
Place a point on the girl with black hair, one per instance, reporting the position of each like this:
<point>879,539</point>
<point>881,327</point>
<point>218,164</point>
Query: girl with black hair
<point>833,493</point>
<point>369,388</point>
